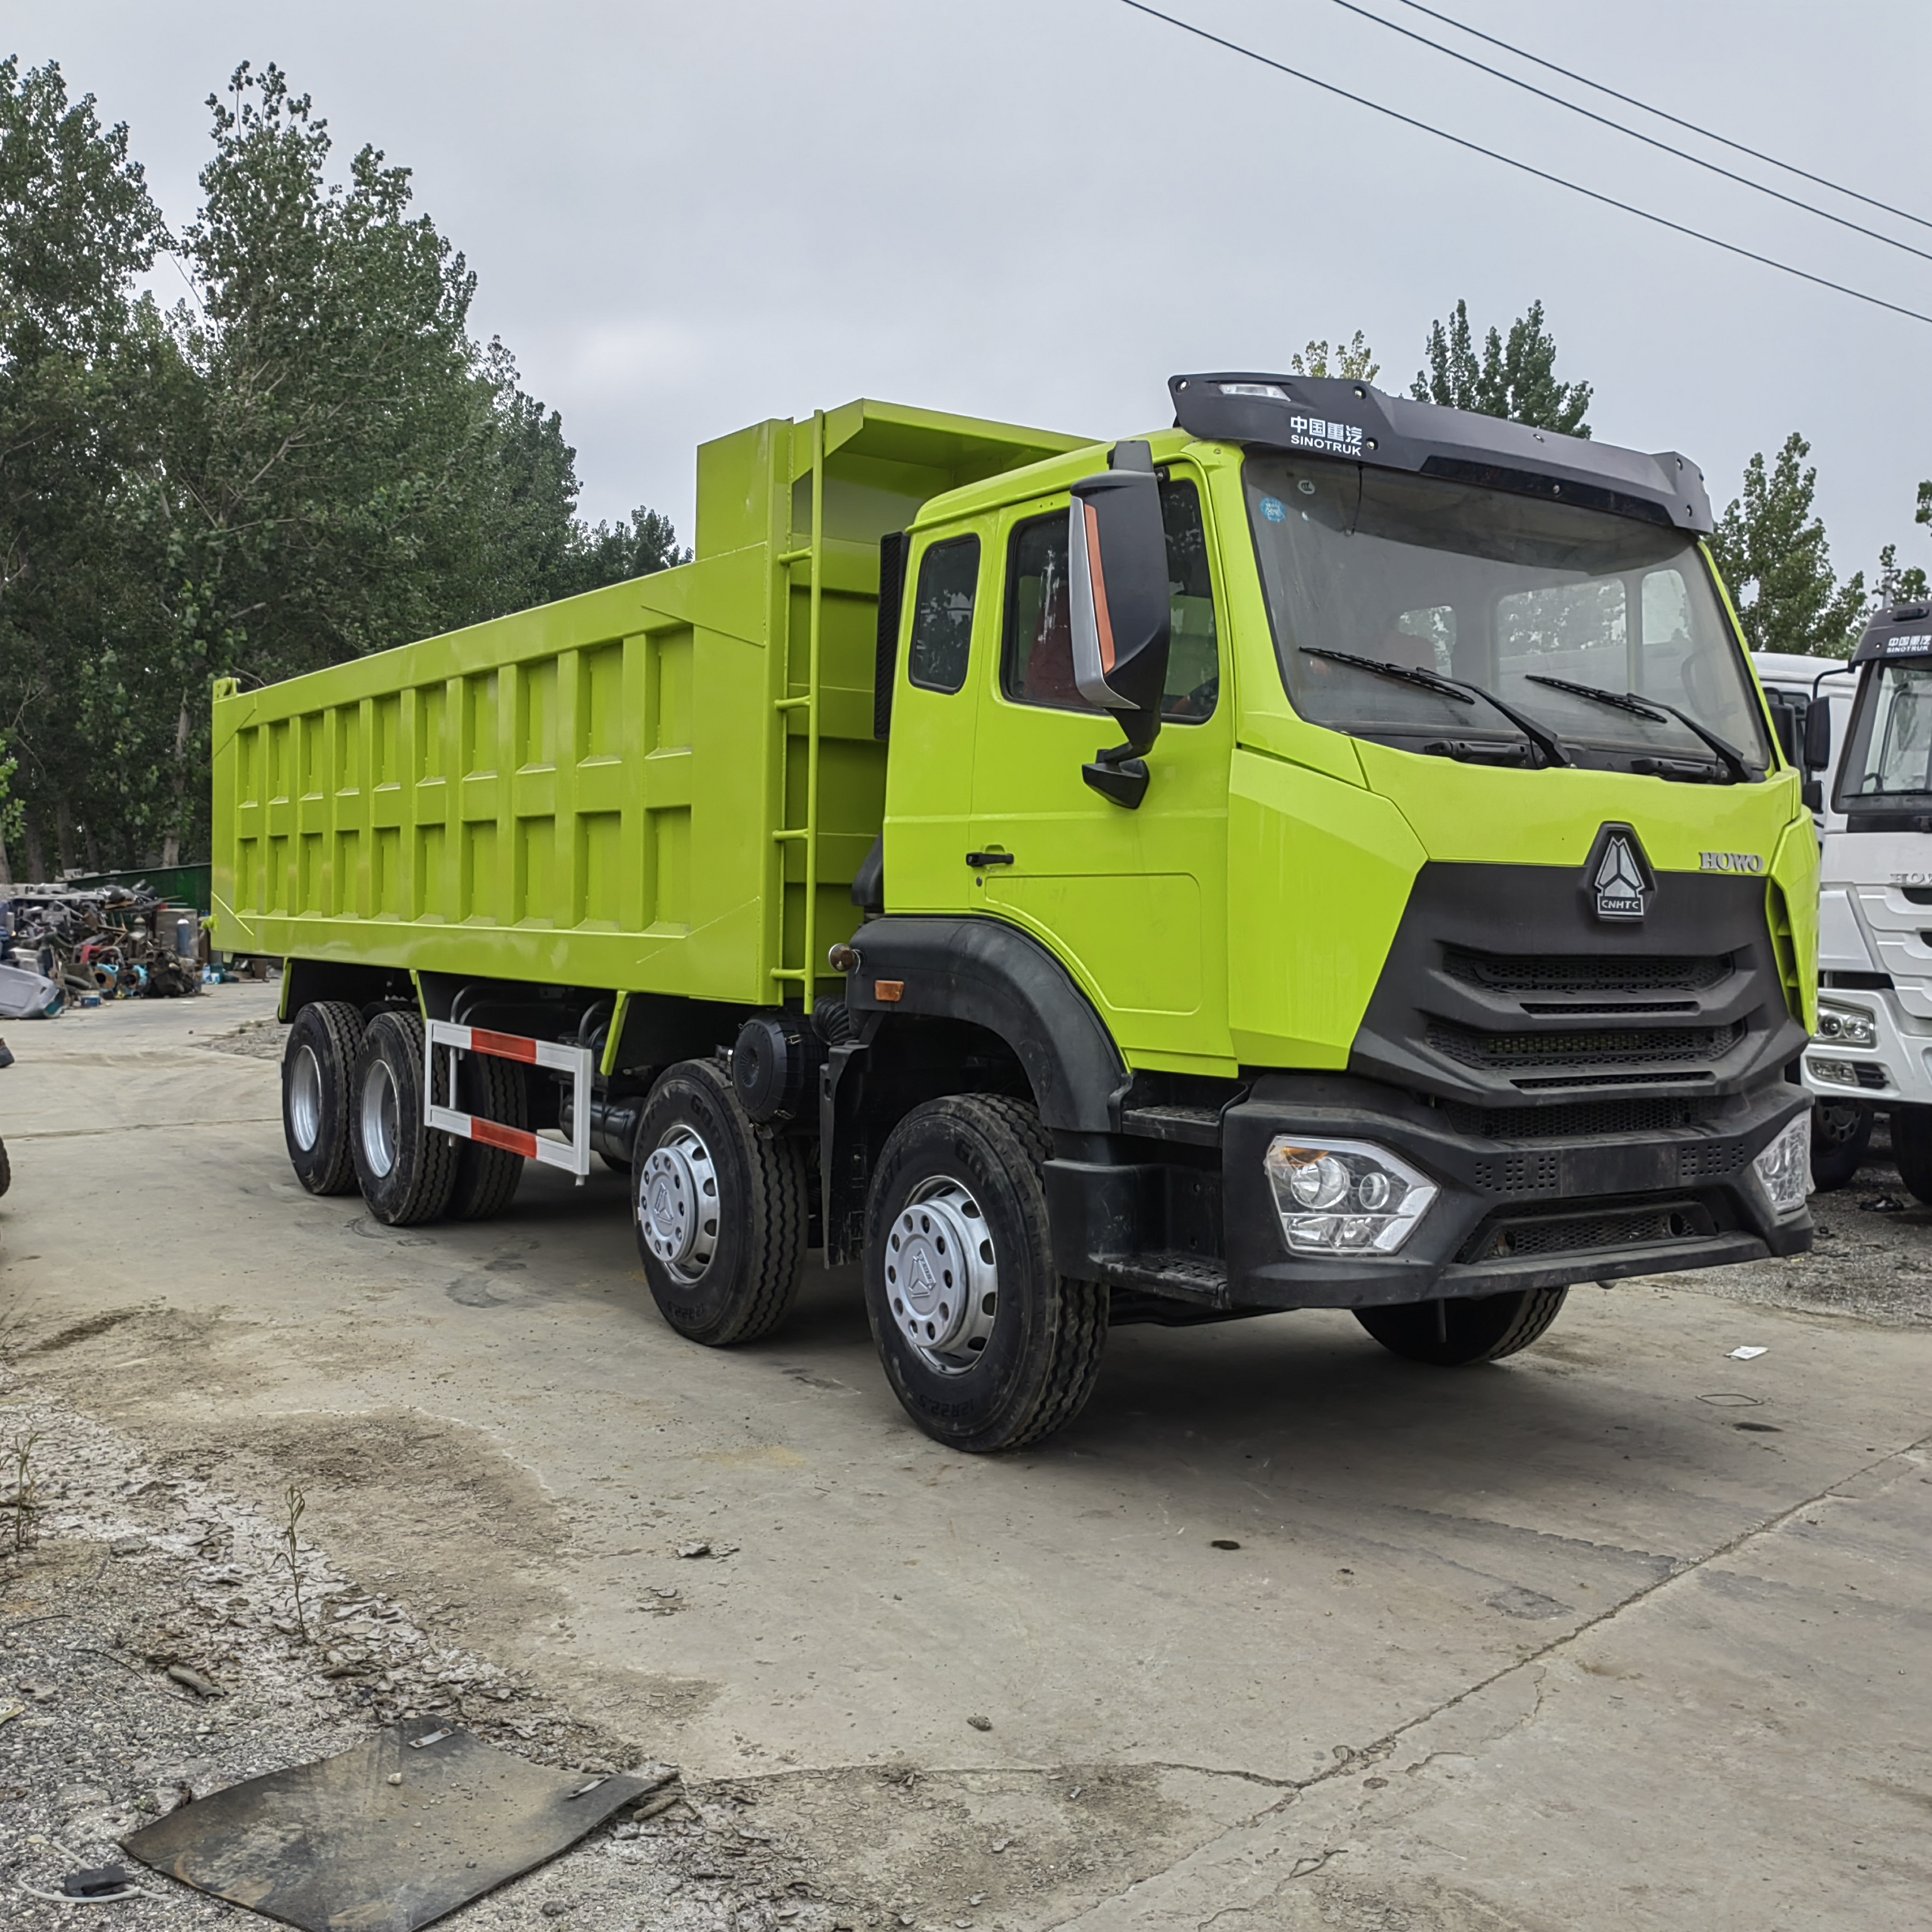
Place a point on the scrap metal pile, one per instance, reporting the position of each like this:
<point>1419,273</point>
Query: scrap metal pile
<point>103,942</point>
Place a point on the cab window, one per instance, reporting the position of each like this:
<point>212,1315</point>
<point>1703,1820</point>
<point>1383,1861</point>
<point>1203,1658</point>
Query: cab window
<point>1036,650</point>
<point>942,615</point>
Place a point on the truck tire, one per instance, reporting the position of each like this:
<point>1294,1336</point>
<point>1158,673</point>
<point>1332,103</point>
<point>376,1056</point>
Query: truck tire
<point>720,1207</point>
<point>318,1077</point>
<point>404,1171</point>
<point>1912,1149</point>
<point>1454,1332</point>
<point>6,1169</point>
<point>486,1177</point>
<point>957,1204</point>
<point>1841,1131</point>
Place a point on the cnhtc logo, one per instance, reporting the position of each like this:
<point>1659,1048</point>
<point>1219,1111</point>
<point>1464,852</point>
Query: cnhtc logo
<point>1619,881</point>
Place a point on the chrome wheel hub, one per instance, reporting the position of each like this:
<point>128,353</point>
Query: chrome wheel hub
<point>677,1203</point>
<point>942,1276</point>
<point>305,1099</point>
<point>381,1119</point>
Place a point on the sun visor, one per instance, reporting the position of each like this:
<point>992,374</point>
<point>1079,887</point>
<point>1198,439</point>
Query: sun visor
<point>1332,416</point>
<point>1905,630</point>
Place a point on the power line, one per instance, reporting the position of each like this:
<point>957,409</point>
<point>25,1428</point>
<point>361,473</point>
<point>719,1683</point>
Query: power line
<point>1524,167</point>
<point>1635,134</point>
<point>1689,127</point>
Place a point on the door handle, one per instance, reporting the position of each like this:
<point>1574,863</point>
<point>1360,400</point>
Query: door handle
<point>979,861</point>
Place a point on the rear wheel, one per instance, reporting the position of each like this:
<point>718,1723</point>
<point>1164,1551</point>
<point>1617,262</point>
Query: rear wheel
<point>1452,1333</point>
<point>986,1344</point>
<point>405,1171</point>
<point>1912,1148</point>
<point>318,1078</point>
<point>486,1177</point>
<point>720,1207</point>
<point>1841,1131</point>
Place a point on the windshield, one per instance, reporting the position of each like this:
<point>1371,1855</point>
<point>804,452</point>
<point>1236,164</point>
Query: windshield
<point>1890,754</point>
<point>1496,590</point>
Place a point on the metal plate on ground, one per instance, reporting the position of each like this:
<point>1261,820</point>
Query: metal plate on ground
<point>335,1846</point>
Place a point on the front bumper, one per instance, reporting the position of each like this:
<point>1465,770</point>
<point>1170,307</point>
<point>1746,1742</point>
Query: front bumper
<point>1519,1213</point>
<point>1896,1069</point>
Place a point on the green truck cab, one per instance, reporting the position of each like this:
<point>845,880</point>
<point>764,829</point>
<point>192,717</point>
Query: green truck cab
<point>1333,853</point>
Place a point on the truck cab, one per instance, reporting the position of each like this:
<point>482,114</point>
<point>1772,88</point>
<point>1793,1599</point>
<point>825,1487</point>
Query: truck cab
<point>1870,1052</point>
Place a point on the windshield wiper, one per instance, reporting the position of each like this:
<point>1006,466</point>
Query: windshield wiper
<point>1545,740</point>
<point>1657,710</point>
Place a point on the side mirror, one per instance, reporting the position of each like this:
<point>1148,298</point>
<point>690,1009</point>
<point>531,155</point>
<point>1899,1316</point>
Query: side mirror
<point>1812,794</point>
<point>1784,723</point>
<point>1120,616</point>
<point>1818,736</point>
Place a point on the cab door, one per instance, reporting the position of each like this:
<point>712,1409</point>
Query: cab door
<point>935,716</point>
<point>1134,902</point>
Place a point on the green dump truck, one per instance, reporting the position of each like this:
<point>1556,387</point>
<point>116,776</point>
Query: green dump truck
<point>1333,853</point>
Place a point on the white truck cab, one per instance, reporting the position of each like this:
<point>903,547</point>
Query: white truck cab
<point>1865,732</point>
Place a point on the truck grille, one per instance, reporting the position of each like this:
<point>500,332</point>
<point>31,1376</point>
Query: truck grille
<point>1636,1227</point>
<point>1566,973</point>
<point>1577,1119</point>
<point>1576,1011</point>
<point>1595,1050</point>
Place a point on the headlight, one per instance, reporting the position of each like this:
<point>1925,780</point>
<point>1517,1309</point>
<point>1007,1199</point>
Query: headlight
<point>1344,1197</point>
<point>1870,1074</point>
<point>1850,1026</point>
<point>1785,1167</point>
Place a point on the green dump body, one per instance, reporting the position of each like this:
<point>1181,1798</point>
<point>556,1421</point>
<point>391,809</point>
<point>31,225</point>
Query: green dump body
<point>665,786</point>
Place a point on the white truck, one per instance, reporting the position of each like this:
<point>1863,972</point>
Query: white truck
<point>1841,1129</point>
<point>1865,736</point>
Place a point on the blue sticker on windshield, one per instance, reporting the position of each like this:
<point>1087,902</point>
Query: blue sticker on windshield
<point>1274,509</point>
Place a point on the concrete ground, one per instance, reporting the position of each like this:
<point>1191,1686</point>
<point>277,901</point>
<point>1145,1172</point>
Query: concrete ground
<point>1283,1633</point>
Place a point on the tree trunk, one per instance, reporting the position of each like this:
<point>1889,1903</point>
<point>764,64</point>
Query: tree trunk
<point>171,844</point>
<point>64,834</point>
<point>37,859</point>
<point>6,869</point>
<point>92,845</point>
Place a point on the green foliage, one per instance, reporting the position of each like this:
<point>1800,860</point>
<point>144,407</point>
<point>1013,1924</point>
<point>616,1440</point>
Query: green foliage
<point>1771,549</point>
<point>1355,361</point>
<point>310,458</point>
<point>1514,377</point>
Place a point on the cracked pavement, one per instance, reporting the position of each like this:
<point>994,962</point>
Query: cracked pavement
<point>1623,1632</point>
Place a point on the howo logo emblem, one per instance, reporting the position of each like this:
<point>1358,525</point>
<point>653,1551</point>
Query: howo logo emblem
<point>1618,882</point>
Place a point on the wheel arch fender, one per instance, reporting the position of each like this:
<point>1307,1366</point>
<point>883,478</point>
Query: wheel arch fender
<point>988,978</point>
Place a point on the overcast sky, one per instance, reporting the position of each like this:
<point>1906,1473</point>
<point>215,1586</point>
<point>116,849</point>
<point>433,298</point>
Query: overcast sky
<point>687,217</point>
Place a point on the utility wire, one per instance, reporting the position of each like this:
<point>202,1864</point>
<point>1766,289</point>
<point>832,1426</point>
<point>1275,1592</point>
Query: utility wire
<point>1689,127</point>
<point>1524,167</point>
<point>1635,134</point>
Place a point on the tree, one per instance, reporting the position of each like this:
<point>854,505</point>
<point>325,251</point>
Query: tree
<point>76,225</point>
<point>1354,361</point>
<point>311,458</point>
<point>1771,549</point>
<point>1515,378</point>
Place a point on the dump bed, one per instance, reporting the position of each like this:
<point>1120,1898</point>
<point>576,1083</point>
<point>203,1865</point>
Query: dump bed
<point>665,786</point>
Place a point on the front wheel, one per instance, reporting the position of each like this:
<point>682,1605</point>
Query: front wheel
<point>986,1344</point>
<point>1841,1131</point>
<point>720,1207</point>
<point>1912,1148</point>
<point>1452,1333</point>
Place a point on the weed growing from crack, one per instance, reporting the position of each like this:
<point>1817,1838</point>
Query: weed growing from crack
<point>24,1502</point>
<point>289,1553</point>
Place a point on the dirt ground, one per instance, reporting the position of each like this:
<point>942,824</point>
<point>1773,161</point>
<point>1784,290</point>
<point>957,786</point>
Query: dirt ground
<point>1629,1632</point>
